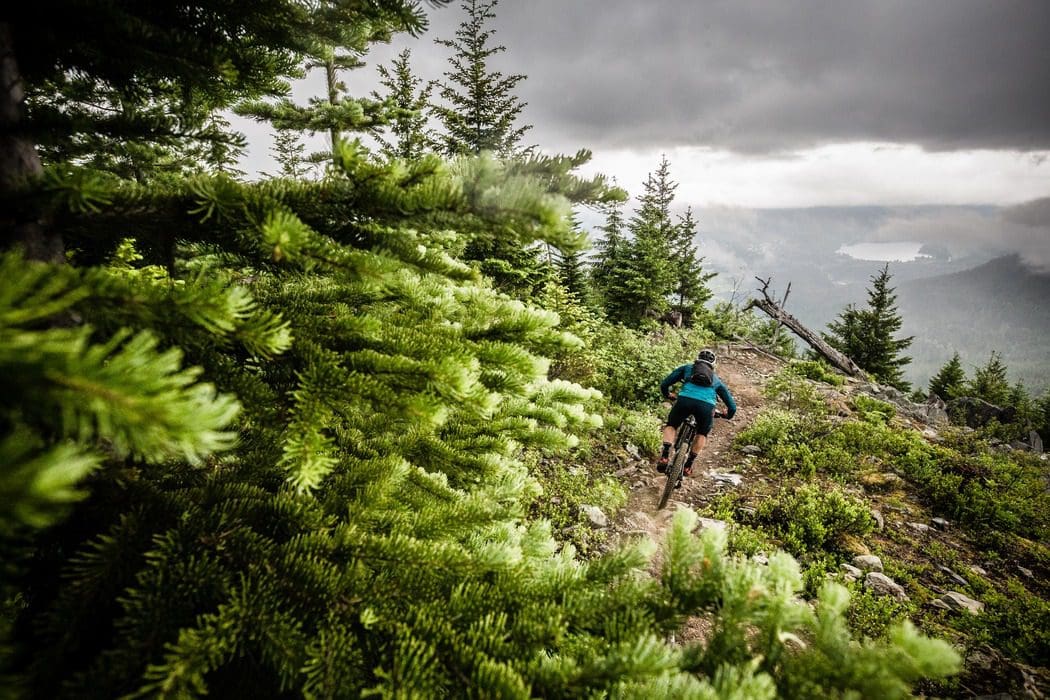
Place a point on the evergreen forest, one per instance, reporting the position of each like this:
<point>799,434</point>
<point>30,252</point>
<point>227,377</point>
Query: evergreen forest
<point>377,424</point>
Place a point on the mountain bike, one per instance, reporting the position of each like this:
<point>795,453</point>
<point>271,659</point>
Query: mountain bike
<point>682,446</point>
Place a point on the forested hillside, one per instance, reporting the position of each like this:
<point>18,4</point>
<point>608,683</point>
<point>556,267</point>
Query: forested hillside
<point>351,434</point>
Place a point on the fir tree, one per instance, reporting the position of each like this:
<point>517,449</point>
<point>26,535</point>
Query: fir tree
<point>867,335</point>
<point>409,136</point>
<point>646,279</point>
<point>990,382</point>
<point>691,292</point>
<point>950,381</point>
<point>481,110</point>
<point>338,49</point>
<point>290,153</point>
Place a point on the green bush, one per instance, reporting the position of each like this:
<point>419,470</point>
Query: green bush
<point>629,365</point>
<point>817,370</point>
<point>872,410</point>
<point>871,615</point>
<point>772,427</point>
<point>790,390</point>
<point>813,517</point>
<point>1015,621</point>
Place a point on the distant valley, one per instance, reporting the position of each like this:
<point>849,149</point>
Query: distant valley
<point>970,300</point>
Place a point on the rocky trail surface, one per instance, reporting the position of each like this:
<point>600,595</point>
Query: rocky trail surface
<point>719,467</point>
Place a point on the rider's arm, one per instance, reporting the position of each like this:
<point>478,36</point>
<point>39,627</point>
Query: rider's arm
<point>670,380</point>
<point>727,399</point>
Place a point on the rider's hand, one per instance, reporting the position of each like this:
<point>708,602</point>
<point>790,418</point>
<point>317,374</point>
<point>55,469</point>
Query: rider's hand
<point>671,396</point>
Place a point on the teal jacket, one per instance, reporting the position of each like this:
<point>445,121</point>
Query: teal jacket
<point>707,394</point>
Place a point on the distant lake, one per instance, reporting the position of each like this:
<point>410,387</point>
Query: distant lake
<point>896,251</point>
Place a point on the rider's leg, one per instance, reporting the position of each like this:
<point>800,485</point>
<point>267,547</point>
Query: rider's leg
<point>668,438</point>
<point>698,444</point>
<point>668,434</point>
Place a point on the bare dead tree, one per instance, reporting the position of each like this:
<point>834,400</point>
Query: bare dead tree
<point>776,311</point>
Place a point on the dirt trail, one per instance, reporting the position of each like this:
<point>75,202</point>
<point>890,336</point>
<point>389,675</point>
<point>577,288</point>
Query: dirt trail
<point>744,371</point>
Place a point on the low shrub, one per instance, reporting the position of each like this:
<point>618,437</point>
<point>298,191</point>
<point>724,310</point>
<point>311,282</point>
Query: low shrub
<point>790,390</point>
<point>772,427</point>
<point>872,410</point>
<point>813,517</point>
<point>817,370</point>
<point>1016,622</point>
<point>629,365</point>
<point>872,616</point>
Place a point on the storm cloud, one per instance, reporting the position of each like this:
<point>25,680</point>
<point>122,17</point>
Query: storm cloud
<point>753,76</point>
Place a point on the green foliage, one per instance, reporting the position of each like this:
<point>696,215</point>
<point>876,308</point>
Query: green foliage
<point>812,518</point>
<point>790,390</point>
<point>1015,621</point>
<point>408,136</point>
<point>569,483</point>
<point>630,365</point>
<point>990,382</point>
<point>872,410</point>
<point>656,270</point>
<point>867,335</point>
<point>872,616</point>
<point>773,427</point>
<point>949,382</point>
<point>817,370</point>
<point>481,110</point>
<point>764,626</point>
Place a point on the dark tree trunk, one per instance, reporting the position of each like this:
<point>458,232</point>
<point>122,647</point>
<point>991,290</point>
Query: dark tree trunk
<point>774,310</point>
<point>21,224</point>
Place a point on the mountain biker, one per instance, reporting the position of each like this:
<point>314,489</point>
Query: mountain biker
<point>698,396</point>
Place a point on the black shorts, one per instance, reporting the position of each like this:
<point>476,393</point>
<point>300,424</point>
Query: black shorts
<point>683,407</point>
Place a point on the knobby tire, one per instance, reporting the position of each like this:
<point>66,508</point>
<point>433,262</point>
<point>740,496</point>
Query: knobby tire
<point>674,472</point>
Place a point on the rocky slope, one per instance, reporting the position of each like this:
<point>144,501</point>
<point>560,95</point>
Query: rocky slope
<point>934,569</point>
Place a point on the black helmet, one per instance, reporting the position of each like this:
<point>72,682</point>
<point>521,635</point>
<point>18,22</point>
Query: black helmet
<point>707,356</point>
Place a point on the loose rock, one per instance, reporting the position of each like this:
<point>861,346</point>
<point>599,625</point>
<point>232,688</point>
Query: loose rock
<point>979,570</point>
<point>922,528</point>
<point>712,524</point>
<point>881,584</point>
<point>953,576</point>
<point>751,449</point>
<point>733,479</point>
<point>939,523</point>
<point>880,522</point>
<point>1035,442</point>
<point>595,515</point>
<point>633,451</point>
<point>852,572</point>
<point>958,601</point>
<point>867,562</point>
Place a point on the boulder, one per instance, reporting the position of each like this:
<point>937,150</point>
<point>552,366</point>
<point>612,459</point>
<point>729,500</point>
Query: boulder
<point>976,413</point>
<point>1035,442</point>
<point>957,601</point>
<point>881,584</point>
<point>921,528</point>
<point>979,570</point>
<point>867,562</point>
<point>880,522</point>
<point>939,523</point>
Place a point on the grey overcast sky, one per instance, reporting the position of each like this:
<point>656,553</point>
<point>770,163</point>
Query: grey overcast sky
<point>789,103</point>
